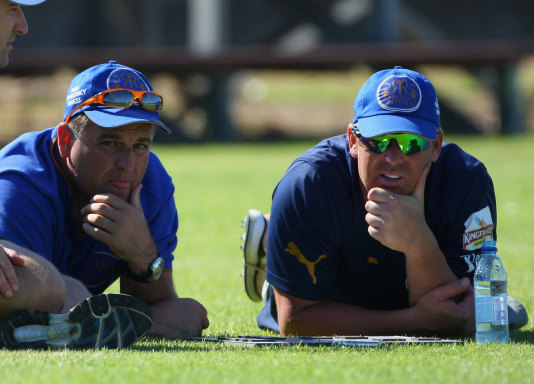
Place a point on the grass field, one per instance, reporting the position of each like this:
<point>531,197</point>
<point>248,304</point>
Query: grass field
<point>215,185</point>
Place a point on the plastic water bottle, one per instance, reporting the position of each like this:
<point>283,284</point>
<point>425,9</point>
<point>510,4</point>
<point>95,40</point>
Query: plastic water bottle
<point>491,305</point>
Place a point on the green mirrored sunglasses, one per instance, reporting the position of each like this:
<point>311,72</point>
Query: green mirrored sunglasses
<point>408,143</point>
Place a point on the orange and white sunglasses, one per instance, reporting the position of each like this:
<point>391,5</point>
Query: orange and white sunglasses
<point>123,98</point>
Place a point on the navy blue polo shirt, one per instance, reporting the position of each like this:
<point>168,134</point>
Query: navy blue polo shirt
<point>318,244</point>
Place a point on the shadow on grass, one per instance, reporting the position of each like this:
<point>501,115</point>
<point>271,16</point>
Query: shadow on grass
<point>522,336</point>
<point>209,344</point>
<point>156,344</point>
<point>171,346</point>
<point>184,345</point>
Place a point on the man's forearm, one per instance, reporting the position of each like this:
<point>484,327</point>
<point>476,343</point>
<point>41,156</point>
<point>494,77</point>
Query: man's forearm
<point>426,267</point>
<point>439,312</point>
<point>332,318</point>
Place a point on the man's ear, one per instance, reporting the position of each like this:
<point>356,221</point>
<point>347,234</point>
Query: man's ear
<point>437,146</point>
<point>353,142</point>
<point>65,140</point>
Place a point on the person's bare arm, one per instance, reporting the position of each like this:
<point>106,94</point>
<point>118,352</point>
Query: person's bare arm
<point>436,313</point>
<point>172,316</point>
<point>398,222</point>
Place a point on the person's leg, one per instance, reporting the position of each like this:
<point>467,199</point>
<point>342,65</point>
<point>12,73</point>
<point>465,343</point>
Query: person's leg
<point>53,310</point>
<point>76,293</point>
<point>41,286</point>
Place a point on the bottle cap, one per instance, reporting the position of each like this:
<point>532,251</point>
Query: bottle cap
<point>489,245</point>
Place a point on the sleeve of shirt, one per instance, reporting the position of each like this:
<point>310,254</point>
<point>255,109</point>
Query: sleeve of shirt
<point>160,209</point>
<point>164,226</point>
<point>472,219</point>
<point>302,257</point>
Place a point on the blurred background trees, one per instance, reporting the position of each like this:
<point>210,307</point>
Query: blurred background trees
<point>233,70</point>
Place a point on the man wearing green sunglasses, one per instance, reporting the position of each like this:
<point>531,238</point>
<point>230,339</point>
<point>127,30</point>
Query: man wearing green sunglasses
<point>375,232</point>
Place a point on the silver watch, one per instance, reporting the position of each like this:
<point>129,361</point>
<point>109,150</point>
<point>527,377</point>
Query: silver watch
<point>155,270</point>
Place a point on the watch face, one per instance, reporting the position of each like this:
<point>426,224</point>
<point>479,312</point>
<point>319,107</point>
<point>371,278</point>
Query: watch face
<point>157,268</point>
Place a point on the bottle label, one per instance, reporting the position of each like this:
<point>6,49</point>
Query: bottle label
<point>500,309</point>
<point>492,309</point>
<point>484,308</point>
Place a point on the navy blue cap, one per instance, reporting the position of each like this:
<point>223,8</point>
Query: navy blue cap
<point>397,100</point>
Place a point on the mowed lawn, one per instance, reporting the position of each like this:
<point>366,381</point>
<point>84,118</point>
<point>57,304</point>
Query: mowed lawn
<point>215,185</point>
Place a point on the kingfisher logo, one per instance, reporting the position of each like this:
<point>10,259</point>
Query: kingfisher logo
<point>399,93</point>
<point>478,227</point>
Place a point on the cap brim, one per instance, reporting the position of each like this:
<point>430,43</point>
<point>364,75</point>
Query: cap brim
<point>118,117</point>
<point>28,2</point>
<point>385,124</point>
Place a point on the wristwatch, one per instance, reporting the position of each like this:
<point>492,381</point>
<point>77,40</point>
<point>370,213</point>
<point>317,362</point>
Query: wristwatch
<point>155,269</point>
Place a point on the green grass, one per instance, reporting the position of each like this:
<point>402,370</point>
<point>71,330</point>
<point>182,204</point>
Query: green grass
<point>215,185</point>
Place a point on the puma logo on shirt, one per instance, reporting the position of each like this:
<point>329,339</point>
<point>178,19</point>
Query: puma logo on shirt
<point>295,251</point>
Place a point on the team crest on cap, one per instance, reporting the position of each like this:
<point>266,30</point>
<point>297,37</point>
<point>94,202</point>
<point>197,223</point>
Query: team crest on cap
<point>399,93</point>
<point>126,78</point>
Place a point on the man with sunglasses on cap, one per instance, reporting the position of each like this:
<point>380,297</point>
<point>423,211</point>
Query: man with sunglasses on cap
<point>12,23</point>
<point>90,198</point>
<point>375,232</point>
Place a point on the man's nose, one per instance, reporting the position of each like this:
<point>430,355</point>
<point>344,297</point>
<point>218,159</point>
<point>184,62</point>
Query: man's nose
<point>126,159</point>
<point>21,26</point>
<point>393,152</point>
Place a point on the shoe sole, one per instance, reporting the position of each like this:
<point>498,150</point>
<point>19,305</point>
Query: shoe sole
<point>254,224</point>
<point>112,321</point>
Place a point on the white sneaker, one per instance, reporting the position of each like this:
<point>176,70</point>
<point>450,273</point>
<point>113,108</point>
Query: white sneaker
<point>266,291</point>
<point>253,254</point>
<point>112,321</point>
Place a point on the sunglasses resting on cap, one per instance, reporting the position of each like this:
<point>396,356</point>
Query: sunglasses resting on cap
<point>123,98</point>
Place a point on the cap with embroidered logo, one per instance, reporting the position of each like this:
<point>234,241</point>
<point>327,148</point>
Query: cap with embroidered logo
<point>102,77</point>
<point>28,2</point>
<point>397,100</point>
